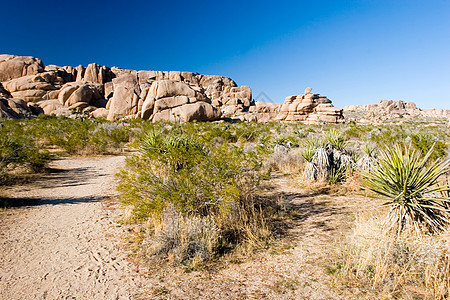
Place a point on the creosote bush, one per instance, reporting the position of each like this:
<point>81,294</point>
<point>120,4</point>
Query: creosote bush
<point>20,150</point>
<point>72,136</point>
<point>205,190</point>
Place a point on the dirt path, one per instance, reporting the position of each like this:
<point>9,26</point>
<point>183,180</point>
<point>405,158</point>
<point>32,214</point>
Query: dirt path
<point>62,243</point>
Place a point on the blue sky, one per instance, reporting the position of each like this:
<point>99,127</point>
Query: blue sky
<point>355,51</point>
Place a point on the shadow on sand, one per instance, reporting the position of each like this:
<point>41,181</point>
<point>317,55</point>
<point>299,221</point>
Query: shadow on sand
<point>54,178</point>
<point>23,202</point>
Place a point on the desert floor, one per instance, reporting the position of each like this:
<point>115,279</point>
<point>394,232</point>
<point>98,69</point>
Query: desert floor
<point>63,239</point>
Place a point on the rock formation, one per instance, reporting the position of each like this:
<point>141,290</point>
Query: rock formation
<point>308,108</point>
<point>12,66</point>
<point>15,108</point>
<point>115,93</point>
<point>391,111</point>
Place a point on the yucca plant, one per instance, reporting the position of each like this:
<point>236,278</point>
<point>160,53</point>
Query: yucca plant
<point>410,182</point>
<point>336,139</point>
<point>337,173</point>
<point>322,161</point>
<point>368,160</point>
<point>310,169</point>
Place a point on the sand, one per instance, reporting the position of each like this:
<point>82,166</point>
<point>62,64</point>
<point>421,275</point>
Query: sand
<point>64,242</point>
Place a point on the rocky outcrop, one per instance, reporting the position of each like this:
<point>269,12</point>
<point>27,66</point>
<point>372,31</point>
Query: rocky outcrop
<point>125,99</point>
<point>308,108</point>
<point>11,108</point>
<point>4,93</point>
<point>117,93</point>
<point>437,113</point>
<point>12,66</point>
<point>391,111</point>
<point>16,108</point>
<point>34,88</point>
<point>176,100</point>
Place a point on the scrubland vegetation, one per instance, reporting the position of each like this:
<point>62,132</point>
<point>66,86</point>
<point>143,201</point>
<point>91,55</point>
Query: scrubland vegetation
<point>196,190</point>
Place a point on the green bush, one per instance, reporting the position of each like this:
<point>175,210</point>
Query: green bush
<point>20,151</point>
<point>178,172</point>
<point>425,141</point>
<point>74,136</point>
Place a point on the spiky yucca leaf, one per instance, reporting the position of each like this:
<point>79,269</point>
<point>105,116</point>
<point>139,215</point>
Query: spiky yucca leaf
<point>336,139</point>
<point>410,182</point>
<point>308,153</point>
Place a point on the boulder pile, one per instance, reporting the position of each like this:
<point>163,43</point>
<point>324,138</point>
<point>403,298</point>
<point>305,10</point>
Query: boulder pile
<point>308,108</point>
<point>27,86</point>
<point>391,111</point>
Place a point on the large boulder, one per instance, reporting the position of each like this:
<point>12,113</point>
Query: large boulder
<point>97,74</point>
<point>100,113</point>
<point>35,88</point>
<point>30,82</point>
<point>31,95</point>
<point>49,106</point>
<point>199,111</point>
<point>12,66</point>
<point>125,99</point>
<point>14,109</point>
<point>170,88</point>
<point>76,92</point>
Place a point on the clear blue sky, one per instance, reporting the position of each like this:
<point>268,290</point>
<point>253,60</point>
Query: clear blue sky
<point>355,51</point>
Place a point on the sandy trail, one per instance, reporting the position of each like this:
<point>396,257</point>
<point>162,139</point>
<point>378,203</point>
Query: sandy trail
<point>63,242</point>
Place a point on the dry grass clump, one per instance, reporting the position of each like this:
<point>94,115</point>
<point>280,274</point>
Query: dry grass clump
<point>286,160</point>
<point>182,237</point>
<point>378,262</point>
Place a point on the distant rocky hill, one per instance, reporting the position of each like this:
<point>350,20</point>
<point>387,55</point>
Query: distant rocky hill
<point>27,87</point>
<point>392,111</point>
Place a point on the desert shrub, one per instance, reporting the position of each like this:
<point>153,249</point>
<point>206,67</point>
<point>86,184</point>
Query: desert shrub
<point>336,139</point>
<point>20,150</point>
<point>424,142</point>
<point>409,181</point>
<point>369,158</point>
<point>87,136</point>
<point>180,178</point>
<point>285,159</point>
<point>73,136</point>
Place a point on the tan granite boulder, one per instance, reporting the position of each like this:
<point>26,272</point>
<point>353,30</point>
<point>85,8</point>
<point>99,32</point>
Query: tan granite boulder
<point>125,99</point>
<point>100,113</point>
<point>75,92</point>
<point>12,66</point>
<point>49,106</point>
<point>169,88</point>
<point>97,74</point>
<point>199,111</point>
